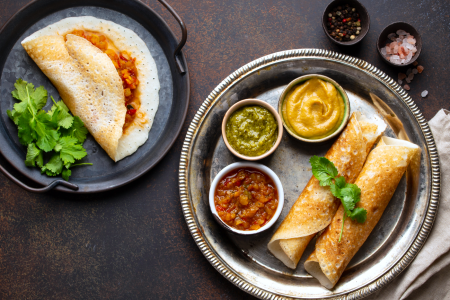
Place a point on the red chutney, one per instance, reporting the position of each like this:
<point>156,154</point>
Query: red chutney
<point>126,68</point>
<point>246,199</point>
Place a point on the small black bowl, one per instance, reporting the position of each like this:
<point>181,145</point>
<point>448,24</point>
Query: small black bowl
<point>363,16</point>
<point>383,40</point>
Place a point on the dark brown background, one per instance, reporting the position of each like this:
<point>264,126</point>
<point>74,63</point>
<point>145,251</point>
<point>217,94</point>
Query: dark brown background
<point>133,243</point>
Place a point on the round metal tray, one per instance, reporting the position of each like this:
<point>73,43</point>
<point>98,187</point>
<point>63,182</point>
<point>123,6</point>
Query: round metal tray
<point>104,174</point>
<point>245,261</point>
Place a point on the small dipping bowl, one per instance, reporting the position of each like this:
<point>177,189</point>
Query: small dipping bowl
<point>383,40</point>
<point>248,102</point>
<point>259,167</point>
<point>298,81</point>
<point>363,16</point>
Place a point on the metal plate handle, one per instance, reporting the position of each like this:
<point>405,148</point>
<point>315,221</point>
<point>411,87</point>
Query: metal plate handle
<point>177,54</point>
<point>39,190</point>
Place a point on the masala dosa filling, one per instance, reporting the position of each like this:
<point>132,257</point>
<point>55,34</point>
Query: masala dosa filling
<point>126,68</point>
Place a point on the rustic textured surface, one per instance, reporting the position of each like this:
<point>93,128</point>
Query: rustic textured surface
<point>133,243</point>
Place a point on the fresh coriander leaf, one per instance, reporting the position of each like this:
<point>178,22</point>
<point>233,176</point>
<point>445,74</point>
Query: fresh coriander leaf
<point>77,130</point>
<point>335,190</point>
<point>57,147</point>
<point>25,92</point>
<point>46,133</point>
<point>20,93</point>
<point>66,174</point>
<point>71,150</point>
<point>34,156</point>
<point>62,117</point>
<point>349,195</point>
<point>10,114</point>
<point>54,166</point>
<point>323,169</point>
<point>39,96</point>
<point>359,214</point>
<point>20,107</point>
<point>52,111</point>
<point>340,182</point>
<point>348,204</point>
<point>40,160</point>
<point>351,192</point>
<point>60,114</point>
<point>41,131</point>
<point>336,187</point>
<point>14,116</point>
<point>61,105</point>
<point>26,127</point>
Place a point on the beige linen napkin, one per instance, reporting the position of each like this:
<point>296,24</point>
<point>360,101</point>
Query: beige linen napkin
<point>428,276</point>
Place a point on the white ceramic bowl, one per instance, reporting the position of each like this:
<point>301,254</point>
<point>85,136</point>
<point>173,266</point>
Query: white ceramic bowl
<point>256,166</point>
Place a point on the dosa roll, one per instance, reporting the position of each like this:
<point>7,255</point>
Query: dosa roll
<point>97,98</point>
<point>89,84</point>
<point>378,181</point>
<point>315,206</point>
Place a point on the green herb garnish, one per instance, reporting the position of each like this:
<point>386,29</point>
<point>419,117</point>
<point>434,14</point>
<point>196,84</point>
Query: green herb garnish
<point>349,193</point>
<point>55,132</point>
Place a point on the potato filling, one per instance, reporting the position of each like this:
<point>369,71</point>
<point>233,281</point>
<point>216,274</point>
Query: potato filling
<point>126,68</point>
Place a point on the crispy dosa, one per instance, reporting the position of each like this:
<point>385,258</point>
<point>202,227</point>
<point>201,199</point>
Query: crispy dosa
<point>316,206</point>
<point>378,181</point>
<point>83,75</point>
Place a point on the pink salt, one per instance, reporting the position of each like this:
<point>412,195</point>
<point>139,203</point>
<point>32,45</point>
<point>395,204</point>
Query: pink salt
<point>411,40</point>
<point>401,52</point>
<point>395,49</point>
<point>403,46</point>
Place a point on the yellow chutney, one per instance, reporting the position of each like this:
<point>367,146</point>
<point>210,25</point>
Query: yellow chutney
<point>314,109</point>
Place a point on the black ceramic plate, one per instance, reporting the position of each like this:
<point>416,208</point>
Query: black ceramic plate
<point>173,95</point>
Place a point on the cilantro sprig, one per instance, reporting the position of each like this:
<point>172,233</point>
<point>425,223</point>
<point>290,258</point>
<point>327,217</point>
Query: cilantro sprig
<point>349,193</point>
<point>55,133</point>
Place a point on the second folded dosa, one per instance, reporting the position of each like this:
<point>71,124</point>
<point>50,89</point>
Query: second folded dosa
<point>315,206</point>
<point>378,181</point>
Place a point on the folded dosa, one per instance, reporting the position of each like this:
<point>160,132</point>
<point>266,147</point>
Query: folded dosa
<point>89,85</point>
<point>315,206</point>
<point>378,181</point>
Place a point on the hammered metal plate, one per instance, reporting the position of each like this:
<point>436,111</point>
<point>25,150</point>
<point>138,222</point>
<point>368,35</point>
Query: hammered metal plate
<point>245,261</point>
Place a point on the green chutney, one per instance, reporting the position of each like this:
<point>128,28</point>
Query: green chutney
<point>252,130</point>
